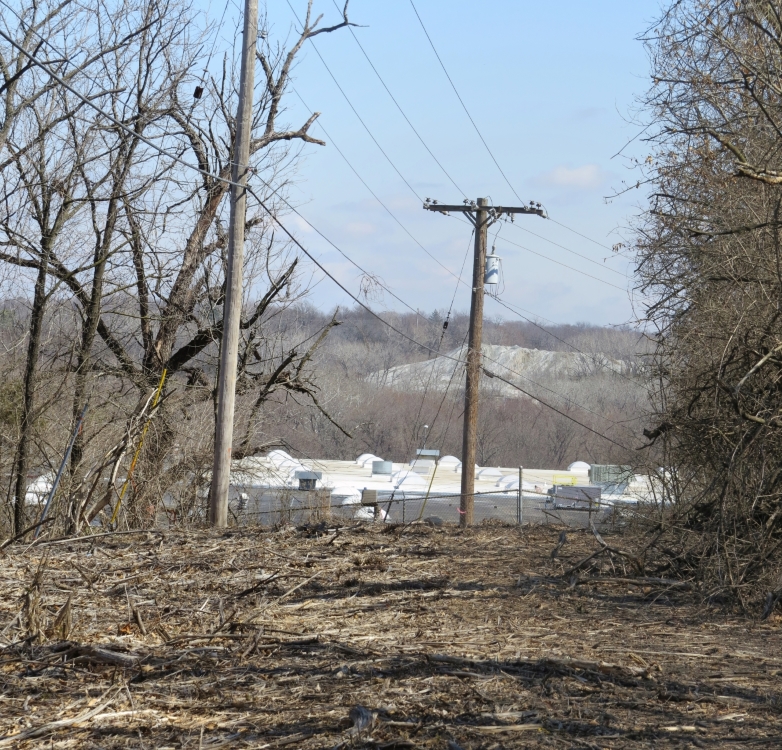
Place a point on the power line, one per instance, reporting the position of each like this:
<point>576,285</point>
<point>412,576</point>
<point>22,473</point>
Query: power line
<point>374,195</point>
<point>355,111</point>
<point>461,101</point>
<point>180,160</point>
<point>567,399</point>
<point>567,249</point>
<point>457,187</point>
<point>218,178</point>
<point>402,112</point>
<point>339,283</point>
<point>553,408</point>
<point>570,229</point>
<point>509,369</point>
<point>564,265</point>
<point>511,308</point>
<point>439,346</point>
<point>459,278</point>
<point>274,218</point>
<point>404,179</point>
<point>407,231</point>
<point>559,263</point>
<point>477,130</point>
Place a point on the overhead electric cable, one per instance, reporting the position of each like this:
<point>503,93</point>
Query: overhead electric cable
<point>180,160</point>
<point>570,229</point>
<point>461,101</point>
<point>552,260</point>
<point>459,278</point>
<point>336,281</point>
<point>218,178</point>
<point>401,111</point>
<point>511,308</point>
<point>477,130</point>
<point>553,408</point>
<point>564,398</point>
<point>355,111</point>
<point>445,429</point>
<point>319,124</point>
<point>274,218</point>
<point>439,346</point>
<point>312,258</point>
<point>564,265</point>
<point>398,171</point>
<point>567,249</point>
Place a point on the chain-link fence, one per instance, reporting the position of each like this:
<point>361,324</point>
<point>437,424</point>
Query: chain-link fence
<point>273,506</point>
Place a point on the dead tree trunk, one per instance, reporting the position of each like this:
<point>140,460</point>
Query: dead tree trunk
<point>30,381</point>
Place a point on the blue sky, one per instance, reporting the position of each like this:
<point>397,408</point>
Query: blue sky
<point>551,87</point>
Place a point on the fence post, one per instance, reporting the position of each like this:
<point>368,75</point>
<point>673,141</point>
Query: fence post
<point>520,497</point>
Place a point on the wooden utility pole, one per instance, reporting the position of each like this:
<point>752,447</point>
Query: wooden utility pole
<point>482,215</point>
<point>232,309</point>
<point>473,368</point>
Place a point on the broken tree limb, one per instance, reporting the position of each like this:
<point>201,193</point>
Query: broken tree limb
<point>668,582</point>
<point>52,726</point>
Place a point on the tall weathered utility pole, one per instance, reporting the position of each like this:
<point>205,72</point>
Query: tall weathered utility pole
<point>482,215</point>
<point>232,309</point>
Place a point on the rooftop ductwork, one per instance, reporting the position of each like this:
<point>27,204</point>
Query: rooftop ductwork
<point>308,480</point>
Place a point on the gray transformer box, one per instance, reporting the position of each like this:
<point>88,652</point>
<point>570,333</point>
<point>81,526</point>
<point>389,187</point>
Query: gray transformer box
<point>610,474</point>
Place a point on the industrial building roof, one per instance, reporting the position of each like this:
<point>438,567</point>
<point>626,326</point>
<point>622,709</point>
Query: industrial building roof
<point>346,479</point>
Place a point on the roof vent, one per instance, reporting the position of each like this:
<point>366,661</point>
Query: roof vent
<point>382,467</point>
<point>308,479</point>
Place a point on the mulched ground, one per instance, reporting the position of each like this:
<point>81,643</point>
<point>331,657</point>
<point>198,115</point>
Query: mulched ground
<point>371,636</point>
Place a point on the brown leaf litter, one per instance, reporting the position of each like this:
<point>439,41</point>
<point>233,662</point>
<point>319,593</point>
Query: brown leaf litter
<point>370,637</point>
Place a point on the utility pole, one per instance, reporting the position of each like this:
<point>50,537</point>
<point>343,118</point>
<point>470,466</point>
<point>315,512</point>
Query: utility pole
<point>232,308</point>
<point>482,216</point>
<point>473,367</point>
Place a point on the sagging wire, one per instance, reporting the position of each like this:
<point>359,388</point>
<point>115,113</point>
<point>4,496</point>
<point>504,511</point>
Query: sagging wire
<point>434,366</point>
<point>35,61</point>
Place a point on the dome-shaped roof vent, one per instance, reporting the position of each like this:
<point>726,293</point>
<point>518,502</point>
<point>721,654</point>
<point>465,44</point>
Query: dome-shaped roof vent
<point>408,480</point>
<point>346,495</point>
<point>278,456</point>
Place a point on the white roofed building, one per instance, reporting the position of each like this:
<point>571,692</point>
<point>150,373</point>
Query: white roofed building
<point>268,483</point>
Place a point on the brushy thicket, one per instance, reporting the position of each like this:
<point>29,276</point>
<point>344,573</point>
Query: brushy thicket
<point>709,257</point>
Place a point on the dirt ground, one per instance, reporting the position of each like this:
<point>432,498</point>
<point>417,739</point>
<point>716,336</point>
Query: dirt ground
<point>370,636</point>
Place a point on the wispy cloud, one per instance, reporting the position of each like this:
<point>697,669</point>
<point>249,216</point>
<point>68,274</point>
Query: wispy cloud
<point>360,228</point>
<point>575,178</point>
<point>299,223</point>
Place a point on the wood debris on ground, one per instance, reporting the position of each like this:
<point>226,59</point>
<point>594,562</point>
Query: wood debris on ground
<point>369,636</point>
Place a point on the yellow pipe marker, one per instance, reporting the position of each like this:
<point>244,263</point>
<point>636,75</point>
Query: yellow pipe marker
<point>138,449</point>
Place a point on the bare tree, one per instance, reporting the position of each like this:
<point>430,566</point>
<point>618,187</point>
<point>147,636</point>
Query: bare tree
<point>709,257</point>
<point>132,233</point>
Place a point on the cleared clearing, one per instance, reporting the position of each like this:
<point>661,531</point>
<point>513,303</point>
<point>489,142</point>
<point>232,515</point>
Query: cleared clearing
<point>370,637</point>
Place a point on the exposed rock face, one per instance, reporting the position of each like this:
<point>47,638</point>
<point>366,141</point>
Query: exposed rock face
<point>533,364</point>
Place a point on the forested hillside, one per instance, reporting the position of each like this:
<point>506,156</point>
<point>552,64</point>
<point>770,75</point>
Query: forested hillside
<point>390,421</point>
<point>351,411</point>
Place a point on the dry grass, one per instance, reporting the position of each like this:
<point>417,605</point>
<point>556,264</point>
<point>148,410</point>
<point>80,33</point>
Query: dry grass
<point>370,637</point>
